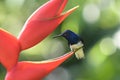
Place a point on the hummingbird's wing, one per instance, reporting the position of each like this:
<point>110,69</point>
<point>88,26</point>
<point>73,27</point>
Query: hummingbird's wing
<point>79,53</point>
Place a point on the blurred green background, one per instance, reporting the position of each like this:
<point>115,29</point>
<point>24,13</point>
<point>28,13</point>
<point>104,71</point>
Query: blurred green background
<point>96,21</point>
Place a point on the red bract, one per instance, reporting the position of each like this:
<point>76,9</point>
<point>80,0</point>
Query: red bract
<point>42,22</point>
<point>9,49</point>
<point>35,70</point>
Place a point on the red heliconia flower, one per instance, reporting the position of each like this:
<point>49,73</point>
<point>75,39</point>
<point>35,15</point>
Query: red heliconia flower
<point>9,49</point>
<point>40,24</point>
<point>35,70</point>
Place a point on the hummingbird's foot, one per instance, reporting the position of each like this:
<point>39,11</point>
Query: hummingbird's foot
<point>75,50</point>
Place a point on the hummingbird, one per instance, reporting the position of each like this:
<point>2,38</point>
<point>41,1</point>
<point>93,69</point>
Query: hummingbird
<point>75,42</point>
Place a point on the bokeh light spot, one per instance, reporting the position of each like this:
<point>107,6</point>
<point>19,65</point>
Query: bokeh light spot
<point>91,13</point>
<point>116,39</point>
<point>95,58</point>
<point>59,74</point>
<point>14,3</point>
<point>107,46</point>
<point>104,4</point>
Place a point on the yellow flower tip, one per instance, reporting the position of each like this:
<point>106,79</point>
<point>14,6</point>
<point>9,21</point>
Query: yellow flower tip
<point>71,10</point>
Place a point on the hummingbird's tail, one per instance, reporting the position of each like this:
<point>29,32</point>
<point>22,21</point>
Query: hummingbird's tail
<point>79,53</point>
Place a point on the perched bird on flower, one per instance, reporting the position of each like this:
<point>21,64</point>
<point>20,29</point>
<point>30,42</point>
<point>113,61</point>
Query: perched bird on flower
<point>75,42</point>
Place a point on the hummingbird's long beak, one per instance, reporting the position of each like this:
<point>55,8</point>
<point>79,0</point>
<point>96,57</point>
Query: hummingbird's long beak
<point>57,36</point>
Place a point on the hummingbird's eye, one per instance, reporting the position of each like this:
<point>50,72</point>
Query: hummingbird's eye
<point>65,34</point>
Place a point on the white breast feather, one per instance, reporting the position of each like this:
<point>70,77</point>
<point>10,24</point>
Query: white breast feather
<point>79,54</point>
<point>79,50</point>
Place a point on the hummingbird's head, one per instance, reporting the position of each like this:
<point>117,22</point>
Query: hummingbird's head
<point>70,36</point>
<point>65,34</point>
